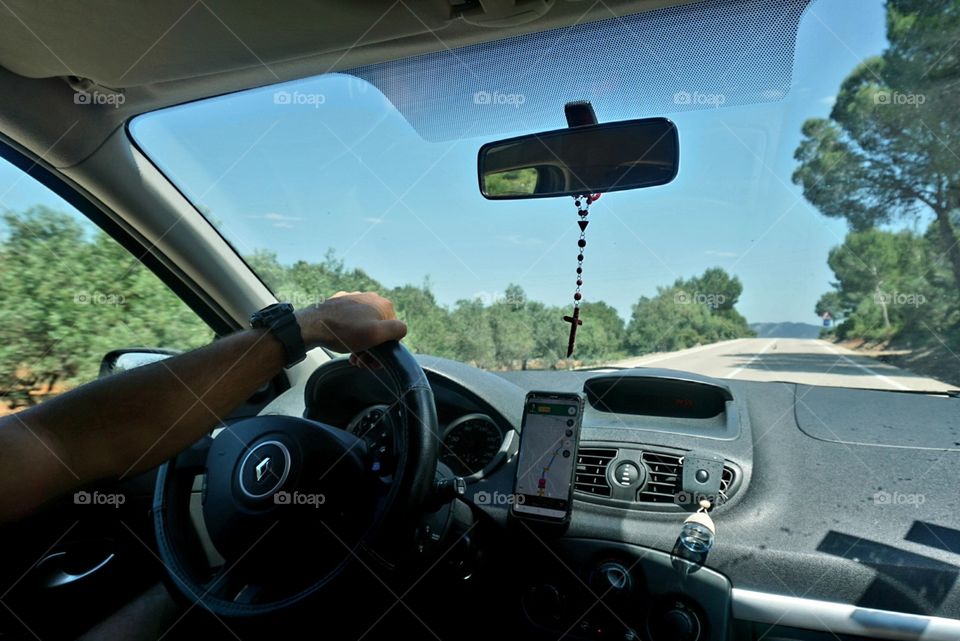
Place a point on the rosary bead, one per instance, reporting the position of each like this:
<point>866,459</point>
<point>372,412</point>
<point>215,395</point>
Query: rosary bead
<point>579,282</point>
<point>580,257</point>
<point>577,296</point>
<point>579,270</point>
<point>582,243</point>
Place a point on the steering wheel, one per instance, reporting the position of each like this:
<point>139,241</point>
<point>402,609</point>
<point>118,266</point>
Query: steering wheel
<point>289,502</point>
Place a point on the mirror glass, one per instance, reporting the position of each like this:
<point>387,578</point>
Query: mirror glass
<point>615,156</point>
<point>121,360</point>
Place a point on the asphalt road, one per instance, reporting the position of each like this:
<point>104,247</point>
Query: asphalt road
<point>809,361</point>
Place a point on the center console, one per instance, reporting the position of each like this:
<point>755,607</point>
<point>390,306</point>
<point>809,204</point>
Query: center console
<point>591,589</point>
<point>655,444</point>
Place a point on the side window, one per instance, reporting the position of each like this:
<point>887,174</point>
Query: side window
<point>69,294</point>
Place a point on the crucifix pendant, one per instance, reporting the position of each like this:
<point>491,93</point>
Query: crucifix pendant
<point>574,323</point>
<point>582,204</point>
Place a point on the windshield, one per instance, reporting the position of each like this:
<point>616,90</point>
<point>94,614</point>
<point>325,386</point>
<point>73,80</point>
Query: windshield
<point>810,234</point>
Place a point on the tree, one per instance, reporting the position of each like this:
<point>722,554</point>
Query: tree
<point>881,284</point>
<point>472,334</point>
<point>317,281</point>
<point>67,296</point>
<point>428,324</point>
<point>268,268</point>
<point>35,351</point>
<point>551,332</point>
<point>886,151</point>
<point>688,313</point>
<point>602,333</point>
<point>831,303</point>
<point>717,287</point>
<point>513,329</point>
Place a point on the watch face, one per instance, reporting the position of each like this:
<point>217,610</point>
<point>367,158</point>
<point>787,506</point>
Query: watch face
<point>277,309</point>
<point>282,323</point>
<point>270,313</point>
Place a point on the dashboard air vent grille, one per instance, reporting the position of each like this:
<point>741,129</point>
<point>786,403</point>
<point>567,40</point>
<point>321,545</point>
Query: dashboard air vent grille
<point>726,480</point>
<point>663,478</point>
<point>592,465</point>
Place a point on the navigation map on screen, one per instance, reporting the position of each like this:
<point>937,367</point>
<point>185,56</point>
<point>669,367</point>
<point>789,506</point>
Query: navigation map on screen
<point>547,455</point>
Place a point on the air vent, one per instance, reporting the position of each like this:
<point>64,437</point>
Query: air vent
<point>592,465</point>
<point>663,478</point>
<point>726,480</point>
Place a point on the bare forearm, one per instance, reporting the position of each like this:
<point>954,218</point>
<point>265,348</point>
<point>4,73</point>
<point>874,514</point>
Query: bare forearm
<point>131,422</point>
<point>135,420</point>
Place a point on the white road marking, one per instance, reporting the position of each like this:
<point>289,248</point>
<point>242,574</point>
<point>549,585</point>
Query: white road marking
<point>683,352</point>
<point>846,359</point>
<point>803,361</point>
<point>734,373</point>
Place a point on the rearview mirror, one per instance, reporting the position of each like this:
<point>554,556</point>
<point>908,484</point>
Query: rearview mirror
<point>589,159</point>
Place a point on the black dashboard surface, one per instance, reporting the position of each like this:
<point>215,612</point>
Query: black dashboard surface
<point>869,418</point>
<point>832,506</point>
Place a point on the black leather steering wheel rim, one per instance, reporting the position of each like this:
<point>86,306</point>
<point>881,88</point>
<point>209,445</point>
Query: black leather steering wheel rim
<point>415,450</point>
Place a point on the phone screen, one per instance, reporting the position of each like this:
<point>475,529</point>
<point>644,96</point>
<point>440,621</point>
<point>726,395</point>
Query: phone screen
<point>548,454</point>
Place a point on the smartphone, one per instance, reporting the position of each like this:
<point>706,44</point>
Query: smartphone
<point>550,432</point>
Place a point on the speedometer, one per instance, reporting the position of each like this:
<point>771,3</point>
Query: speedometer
<point>470,443</point>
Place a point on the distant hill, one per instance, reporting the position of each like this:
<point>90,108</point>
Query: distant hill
<point>785,330</point>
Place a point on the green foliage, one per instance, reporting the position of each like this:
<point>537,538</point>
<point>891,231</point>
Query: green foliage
<point>472,334</point>
<point>68,297</point>
<point>427,322</point>
<point>603,336</point>
<point>889,285</point>
<point>688,313</point>
<point>886,154</point>
<point>831,303</point>
<point>887,151</point>
<point>513,330</point>
<point>515,182</point>
<point>508,332</point>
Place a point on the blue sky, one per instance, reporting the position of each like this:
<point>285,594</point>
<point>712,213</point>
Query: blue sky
<point>344,169</point>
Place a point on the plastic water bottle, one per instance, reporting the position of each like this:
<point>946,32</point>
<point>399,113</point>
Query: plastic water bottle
<point>696,537</point>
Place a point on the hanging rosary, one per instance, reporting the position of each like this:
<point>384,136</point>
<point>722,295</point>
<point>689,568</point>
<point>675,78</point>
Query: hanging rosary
<point>583,208</point>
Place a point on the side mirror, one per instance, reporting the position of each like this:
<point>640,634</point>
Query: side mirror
<point>121,360</point>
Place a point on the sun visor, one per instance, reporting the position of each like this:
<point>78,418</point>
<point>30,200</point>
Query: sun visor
<point>691,57</point>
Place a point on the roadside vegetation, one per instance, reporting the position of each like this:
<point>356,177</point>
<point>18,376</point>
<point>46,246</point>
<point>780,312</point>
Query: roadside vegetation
<point>56,323</point>
<point>887,161</point>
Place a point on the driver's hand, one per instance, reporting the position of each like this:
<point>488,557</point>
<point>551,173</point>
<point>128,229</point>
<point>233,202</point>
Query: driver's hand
<point>350,322</point>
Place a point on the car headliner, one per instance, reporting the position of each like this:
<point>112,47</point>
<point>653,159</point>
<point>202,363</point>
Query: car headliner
<point>165,53</point>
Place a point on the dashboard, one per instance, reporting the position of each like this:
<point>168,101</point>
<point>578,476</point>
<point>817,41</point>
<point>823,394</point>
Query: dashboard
<point>470,444</point>
<point>807,543</point>
<point>475,437</point>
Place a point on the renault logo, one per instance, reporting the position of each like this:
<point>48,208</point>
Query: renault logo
<point>263,468</point>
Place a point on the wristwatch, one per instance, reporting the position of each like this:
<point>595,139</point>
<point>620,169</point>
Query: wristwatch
<point>279,319</point>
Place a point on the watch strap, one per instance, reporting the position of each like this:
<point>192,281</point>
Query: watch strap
<point>280,320</point>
